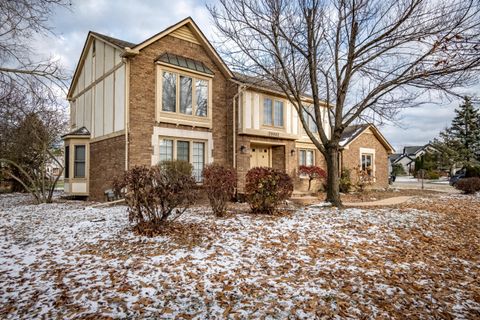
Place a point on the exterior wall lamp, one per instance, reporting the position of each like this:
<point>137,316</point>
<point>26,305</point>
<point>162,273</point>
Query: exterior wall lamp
<point>243,149</point>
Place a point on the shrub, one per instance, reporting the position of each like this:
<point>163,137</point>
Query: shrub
<point>265,188</point>
<point>312,172</point>
<point>157,194</point>
<point>364,179</point>
<point>398,170</point>
<point>219,183</point>
<point>345,181</point>
<point>432,175</point>
<point>468,185</point>
<point>472,172</point>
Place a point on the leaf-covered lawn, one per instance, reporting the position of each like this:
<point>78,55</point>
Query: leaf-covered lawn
<point>65,260</point>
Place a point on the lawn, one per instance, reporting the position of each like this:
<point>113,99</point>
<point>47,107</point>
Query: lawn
<point>70,260</point>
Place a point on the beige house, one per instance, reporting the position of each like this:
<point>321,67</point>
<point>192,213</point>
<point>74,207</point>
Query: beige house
<point>172,97</point>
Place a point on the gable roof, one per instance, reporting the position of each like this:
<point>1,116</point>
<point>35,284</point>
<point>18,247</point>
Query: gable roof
<point>354,131</point>
<point>411,150</point>
<point>197,32</point>
<point>121,44</point>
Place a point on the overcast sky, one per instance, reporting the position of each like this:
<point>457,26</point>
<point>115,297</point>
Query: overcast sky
<point>135,21</point>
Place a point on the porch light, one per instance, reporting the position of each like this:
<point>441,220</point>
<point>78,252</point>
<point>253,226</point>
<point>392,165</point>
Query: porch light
<point>243,149</point>
<point>292,152</point>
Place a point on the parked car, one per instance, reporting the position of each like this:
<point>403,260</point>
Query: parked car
<point>456,177</point>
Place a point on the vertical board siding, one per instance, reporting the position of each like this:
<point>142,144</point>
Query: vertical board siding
<point>248,110</point>
<point>99,58</point>
<point>119,99</point>
<point>108,105</point>
<point>109,58</point>
<point>256,111</point>
<point>98,110</point>
<point>88,109</point>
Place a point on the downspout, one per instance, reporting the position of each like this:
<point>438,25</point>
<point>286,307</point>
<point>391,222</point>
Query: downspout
<point>241,88</point>
<point>127,109</point>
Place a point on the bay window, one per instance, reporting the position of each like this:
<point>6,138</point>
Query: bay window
<point>169,91</point>
<point>67,162</point>
<point>183,150</point>
<point>198,160</point>
<point>183,94</point>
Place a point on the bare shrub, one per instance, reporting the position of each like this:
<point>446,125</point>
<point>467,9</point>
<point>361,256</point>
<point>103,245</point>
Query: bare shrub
<point>219,183</point>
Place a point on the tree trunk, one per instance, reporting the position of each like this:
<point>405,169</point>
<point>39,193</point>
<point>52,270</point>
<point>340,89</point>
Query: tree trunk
<point>333,180</point>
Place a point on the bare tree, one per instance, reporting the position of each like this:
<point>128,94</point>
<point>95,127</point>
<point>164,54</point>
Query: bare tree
<point>30,128</point>
<point>20,22</point>
<point>364,59</point>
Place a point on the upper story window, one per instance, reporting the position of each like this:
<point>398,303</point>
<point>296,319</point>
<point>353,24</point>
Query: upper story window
<point>273,112</point>
<point>184,94</point>
<point>308,115</point>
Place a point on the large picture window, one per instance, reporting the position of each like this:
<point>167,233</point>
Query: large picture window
<point>79,163</point>
<point>273,111</point>
<point>190,150</point>
<point>192,94</point>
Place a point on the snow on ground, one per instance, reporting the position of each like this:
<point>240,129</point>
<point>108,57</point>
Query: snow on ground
<point>70,260</point>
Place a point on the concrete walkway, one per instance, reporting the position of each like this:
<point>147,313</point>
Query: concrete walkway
<point>383,202</point>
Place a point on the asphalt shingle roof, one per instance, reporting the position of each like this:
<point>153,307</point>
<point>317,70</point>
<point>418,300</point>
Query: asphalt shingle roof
<point>115,41</point>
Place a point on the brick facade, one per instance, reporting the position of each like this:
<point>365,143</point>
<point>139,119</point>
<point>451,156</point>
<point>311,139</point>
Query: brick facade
<point>143,99</point>
<point>107,160</point>
<point>351,158</point>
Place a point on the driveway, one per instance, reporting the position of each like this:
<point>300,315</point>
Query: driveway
<point>409,182</point>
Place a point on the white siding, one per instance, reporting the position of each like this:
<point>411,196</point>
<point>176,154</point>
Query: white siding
<point>289,117</point>
<point>88,109</point>
<point>98,129</point>
<point>248,110</point>
<point>108,100</point>
<point>109,57</point>
<point>295,122</point>
<point>119,99</point>
<point>81,81</point>
<point>118,57</point>
<point>256,111</point>
<point>80,111</point>
<point>87,67</point>
<point>99,58</point>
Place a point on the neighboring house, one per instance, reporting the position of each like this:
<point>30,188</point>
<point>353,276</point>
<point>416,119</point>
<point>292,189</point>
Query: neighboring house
<point>172,97</point>
<point>410,153</point>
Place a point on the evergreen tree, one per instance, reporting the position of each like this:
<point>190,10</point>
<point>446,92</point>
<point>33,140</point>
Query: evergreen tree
<point>464,133</point>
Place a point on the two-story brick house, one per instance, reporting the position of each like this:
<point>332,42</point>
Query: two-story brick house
<point>172,97</point>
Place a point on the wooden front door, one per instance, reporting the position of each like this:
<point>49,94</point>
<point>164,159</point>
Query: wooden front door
<point>260,156</point>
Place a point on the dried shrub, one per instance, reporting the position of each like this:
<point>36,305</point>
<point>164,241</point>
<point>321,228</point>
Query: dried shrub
<point>345,181</point>
<point>468,185</point>
<point>365,179</point>
<point>219,183</point>
<point>265,188</point>
<point>432,175</point>
<point>312,172</point>
<point>158,194</point>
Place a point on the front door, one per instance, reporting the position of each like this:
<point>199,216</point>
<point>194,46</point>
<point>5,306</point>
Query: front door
<point>260,156</point>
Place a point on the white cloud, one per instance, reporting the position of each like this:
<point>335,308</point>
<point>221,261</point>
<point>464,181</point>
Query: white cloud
<point>135,21</point>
